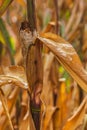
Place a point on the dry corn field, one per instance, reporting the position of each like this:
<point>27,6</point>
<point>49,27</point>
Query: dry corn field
<point>43,64</point>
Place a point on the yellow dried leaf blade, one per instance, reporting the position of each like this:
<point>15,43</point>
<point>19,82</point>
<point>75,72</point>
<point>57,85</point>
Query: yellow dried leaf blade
<point>77,119</point>
<point>67,56</point>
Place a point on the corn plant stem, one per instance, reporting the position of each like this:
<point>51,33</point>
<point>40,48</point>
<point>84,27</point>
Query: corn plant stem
<point>31,14</point>
<point>56,11</point>
<point>32,25</point>
<point>56,31</point>
<point>18,107</point>
<point>35,111</point>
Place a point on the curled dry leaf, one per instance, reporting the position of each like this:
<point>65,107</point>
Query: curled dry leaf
<point>14,75</point>
<point>77,119</point>
<point>67,56</point>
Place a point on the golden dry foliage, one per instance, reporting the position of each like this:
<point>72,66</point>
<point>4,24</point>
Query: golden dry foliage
<point>47,108</point>
<point>77,119</point>
<point>67,56</point>
<point>35,94</point>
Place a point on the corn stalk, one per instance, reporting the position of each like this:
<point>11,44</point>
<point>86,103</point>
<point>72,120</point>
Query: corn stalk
<point>31,51</point>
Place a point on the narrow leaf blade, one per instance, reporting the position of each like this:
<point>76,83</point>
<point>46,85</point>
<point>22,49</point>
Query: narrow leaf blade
<point>4,6</point>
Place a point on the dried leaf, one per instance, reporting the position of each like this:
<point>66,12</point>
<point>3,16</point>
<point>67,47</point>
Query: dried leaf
<point>77,20</point>
<point>72,18</point>
<point>26,121</point>
<point>14,75</point>
<point>17,72</point>
<point>84,47</point>
<point>46,122</point>
<point>10,102</point>
<point>60,116</point>
<point>47,108</point>
<point>67,102</point>
<point>77,119</point>
<point>4,103</point>
<point>67,56</point>
<point>47,88</point>
<point>12,98</point>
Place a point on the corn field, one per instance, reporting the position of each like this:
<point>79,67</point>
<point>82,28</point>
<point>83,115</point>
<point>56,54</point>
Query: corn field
<point>43,64</point>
